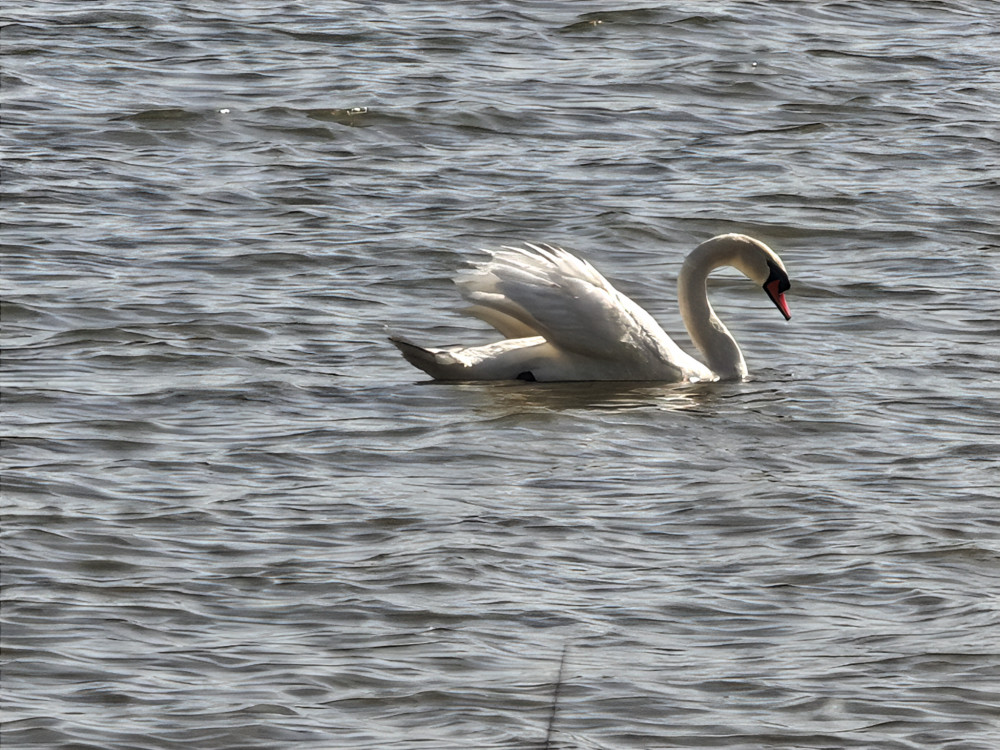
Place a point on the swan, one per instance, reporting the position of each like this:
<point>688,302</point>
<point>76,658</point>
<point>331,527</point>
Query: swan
<point>562,320</point>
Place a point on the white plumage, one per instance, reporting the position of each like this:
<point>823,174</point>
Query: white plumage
<point>562,320</point>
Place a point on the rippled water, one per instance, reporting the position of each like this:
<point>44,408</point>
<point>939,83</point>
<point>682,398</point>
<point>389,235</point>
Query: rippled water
<point>234,517</point>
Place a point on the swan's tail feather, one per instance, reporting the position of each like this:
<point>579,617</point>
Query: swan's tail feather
<point>437,363</point>
<point>509,359</point>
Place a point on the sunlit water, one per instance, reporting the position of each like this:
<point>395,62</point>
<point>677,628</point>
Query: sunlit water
<point>234,517</point>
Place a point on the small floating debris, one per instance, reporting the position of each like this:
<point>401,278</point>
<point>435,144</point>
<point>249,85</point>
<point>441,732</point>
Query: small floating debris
<point>350,116</point>
<point>586,23</point>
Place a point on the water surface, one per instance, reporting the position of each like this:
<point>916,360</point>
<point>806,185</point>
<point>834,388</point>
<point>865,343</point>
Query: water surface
<point>235,517</point>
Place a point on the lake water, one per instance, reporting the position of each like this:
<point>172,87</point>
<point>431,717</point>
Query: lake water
<point>234,517</point>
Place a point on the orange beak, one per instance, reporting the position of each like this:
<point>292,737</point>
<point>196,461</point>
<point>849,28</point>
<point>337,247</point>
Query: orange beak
<point>777,295</point>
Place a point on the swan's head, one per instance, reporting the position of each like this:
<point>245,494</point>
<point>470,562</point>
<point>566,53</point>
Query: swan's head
<point>760,264</point>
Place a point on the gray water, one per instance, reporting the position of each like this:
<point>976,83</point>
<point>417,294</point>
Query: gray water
<point>234,517</point>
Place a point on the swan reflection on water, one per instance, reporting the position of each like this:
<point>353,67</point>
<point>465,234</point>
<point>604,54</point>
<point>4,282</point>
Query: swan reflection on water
<point>513,397</point>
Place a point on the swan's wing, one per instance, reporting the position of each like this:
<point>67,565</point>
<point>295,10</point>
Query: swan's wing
<point>549,292</point>
<point>510,327</point>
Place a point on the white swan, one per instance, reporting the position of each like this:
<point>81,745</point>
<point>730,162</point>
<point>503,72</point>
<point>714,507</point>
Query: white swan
<point>562,320</point>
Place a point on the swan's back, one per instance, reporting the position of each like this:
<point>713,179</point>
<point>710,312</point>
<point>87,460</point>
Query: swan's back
<point>543,290</point>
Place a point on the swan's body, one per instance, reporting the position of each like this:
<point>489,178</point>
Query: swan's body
<point>562,320</point>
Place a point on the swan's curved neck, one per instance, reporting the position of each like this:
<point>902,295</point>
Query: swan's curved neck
<point>717,345</point>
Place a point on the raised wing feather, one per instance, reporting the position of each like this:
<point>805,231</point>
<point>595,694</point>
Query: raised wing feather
<point>554,294</point>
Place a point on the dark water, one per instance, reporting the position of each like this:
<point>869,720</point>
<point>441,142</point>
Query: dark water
<point>235,518</point>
